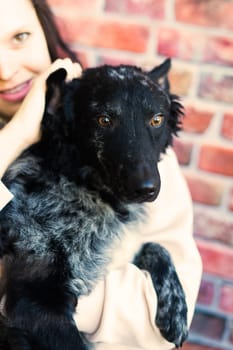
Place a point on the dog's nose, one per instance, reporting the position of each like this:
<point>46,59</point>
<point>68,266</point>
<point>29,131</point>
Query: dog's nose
<point>147,189</point>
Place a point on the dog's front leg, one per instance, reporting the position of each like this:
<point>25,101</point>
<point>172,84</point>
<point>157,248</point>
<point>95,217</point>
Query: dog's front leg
<point>39,316</point>
<point>171,316</point>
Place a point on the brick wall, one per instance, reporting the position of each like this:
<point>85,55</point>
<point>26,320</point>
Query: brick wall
<point>198,34</point>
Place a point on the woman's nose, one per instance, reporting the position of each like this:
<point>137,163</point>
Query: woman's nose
<point>8,67</point>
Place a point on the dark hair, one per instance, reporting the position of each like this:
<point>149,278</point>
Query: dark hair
<point>56,45</point>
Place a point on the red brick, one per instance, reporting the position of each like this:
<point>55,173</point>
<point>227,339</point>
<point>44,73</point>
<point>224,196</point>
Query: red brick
<point>216,87</point>
<point>196,120</point>
<point>180,82</point>
<point>204,190</point>
<point>192,346</point>
<point>226,298</point>
<point>227,126</point>
<point>216,159</point>
<point>195,46</point>
<point>211,13</point>
<point>213,227</point>
<point>231,200</point>
<point>179,43</point>
<point>206,293</point>
<point>105,33</point>
<point>231,333</point>
<point>217,259</point>
<point>209,326</point>
<point>108,59</point>
<point>183,151</point>
<point>219,50</point>
<point>84,58</point>
<point>75,5</point>
<point>148,8</point>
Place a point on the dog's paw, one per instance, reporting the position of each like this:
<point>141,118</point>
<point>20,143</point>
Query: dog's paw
<point>171,318</point>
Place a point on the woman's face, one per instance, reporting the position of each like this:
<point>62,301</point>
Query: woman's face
<point>23,53</point>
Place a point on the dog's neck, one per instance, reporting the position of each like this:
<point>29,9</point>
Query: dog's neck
<point>51,154</point>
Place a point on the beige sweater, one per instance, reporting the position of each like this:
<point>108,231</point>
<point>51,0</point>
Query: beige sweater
<point>119,314</point>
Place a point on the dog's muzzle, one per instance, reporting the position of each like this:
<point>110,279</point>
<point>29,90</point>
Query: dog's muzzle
<point>147,192</point>
<point>140,190</point>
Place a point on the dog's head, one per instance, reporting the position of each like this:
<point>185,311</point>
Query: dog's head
<point>120,119</point>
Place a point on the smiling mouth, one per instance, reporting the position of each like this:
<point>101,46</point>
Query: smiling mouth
<point>17,93</point>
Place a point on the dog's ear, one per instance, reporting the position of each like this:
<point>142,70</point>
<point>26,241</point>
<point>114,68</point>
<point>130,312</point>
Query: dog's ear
<point>53,100</point>
<point>53,94</point>
<point>160,74</point>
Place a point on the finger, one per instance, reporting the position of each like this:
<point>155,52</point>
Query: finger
<point>74,70</point>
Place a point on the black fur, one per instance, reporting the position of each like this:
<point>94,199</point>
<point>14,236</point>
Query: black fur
<point>76,194</point>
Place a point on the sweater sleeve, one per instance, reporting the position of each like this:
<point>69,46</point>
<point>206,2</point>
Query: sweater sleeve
<point>5,195</point>
<point>120,312</point>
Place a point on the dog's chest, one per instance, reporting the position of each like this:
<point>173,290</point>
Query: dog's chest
<point>65,218</point>
<point>62,212</point>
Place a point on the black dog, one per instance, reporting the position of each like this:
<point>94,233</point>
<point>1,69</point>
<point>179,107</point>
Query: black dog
<point>76,193</point>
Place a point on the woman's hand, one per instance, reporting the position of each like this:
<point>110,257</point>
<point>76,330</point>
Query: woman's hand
<point>24,128</point>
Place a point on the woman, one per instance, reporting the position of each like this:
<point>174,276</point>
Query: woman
<point>25,53</point>
<point>121,310</point>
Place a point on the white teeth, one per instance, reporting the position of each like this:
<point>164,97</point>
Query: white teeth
<point>14,90</point>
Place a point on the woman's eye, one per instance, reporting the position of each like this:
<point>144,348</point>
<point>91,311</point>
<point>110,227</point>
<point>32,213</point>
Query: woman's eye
<point>105,121</point>
<point>157,120</point>
<point>21,37</point>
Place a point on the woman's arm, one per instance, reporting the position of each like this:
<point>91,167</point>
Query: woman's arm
<point>12,143</point>
<point>120,313</point>
<point>24,128</point>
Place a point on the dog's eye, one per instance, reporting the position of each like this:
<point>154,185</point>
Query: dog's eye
<point>157,120</point>
<point>104,121</point>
